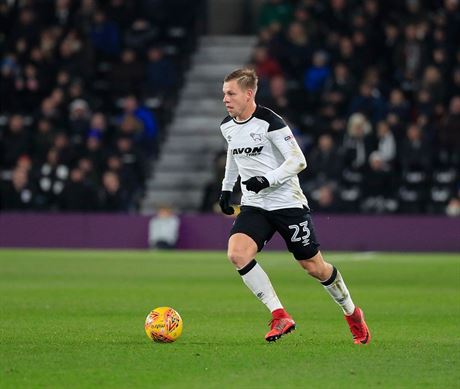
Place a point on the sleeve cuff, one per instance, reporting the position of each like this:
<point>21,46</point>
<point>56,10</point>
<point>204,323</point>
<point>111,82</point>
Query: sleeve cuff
<point>270,178</point>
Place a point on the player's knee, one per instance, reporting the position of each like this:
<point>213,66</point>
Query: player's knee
<point>318,269</point>
<point>239,257</point>
<point>313,270</point>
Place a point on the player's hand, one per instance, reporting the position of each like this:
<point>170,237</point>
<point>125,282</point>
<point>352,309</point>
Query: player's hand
<point>224,202</point>
<point>256,184</point>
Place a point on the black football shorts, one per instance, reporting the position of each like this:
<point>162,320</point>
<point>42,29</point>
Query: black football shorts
<point>293,224</point>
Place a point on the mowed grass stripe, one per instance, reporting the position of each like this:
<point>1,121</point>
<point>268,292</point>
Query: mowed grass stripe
<point>75,319</point>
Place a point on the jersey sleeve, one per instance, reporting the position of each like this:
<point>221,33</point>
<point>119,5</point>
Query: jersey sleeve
<point>294,162</point>
<point>231,172</point>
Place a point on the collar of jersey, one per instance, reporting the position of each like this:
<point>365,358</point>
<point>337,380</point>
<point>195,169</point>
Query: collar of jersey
<point>247,120</point>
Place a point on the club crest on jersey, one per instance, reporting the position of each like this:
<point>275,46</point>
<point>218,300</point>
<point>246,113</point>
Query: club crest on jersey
<point>249,151</point>
<point>256,137</point>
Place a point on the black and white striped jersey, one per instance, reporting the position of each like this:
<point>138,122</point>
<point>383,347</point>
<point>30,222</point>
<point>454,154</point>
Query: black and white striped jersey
<point>264,145</point>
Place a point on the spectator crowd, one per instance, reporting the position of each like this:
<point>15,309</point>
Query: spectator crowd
<point>371,90</point>
<point>87,88</point>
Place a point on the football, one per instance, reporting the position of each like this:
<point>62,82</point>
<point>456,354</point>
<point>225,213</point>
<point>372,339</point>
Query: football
<point>163,325</point>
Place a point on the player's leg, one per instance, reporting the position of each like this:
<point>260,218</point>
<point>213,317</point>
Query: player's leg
<point>331,279</point>
<point>248,236</point>
<point>297,229</point>
<point>333,283</point>
<point>242,251</point>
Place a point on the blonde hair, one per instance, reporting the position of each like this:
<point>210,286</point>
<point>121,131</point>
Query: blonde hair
<point>358,120</point>
<point>246,78</point>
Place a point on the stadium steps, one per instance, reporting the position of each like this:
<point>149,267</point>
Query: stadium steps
<point>186,161</point>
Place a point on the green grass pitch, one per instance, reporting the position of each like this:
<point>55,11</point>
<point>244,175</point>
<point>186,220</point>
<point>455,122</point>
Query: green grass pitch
<point>75,319</point>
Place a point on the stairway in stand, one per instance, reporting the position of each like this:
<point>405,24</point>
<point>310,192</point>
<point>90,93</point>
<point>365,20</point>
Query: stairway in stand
<point>186,158</point>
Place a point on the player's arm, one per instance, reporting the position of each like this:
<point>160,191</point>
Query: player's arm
<point>294,162</point>
<point>230,177</point>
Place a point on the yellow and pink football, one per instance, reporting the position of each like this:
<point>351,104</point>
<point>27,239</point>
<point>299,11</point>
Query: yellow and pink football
<point>163,325</point>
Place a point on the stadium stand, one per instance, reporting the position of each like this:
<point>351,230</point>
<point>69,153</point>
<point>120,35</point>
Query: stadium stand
<point>88,88</point>
<point>87,91</point>
<point>372,93</point>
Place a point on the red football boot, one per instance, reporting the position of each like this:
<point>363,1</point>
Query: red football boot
<point>358,327</point>
<point>280,325</point>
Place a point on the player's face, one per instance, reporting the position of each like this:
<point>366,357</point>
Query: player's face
<point>236,100</point>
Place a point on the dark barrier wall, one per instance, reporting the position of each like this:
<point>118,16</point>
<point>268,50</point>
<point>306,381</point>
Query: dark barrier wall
<point>370,233</point>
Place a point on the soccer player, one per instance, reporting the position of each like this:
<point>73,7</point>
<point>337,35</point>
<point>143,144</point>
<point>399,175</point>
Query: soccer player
<point>263,151</point>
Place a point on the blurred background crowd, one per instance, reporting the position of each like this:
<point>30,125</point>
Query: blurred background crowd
<point>87,88</point>
<point>371,90</point>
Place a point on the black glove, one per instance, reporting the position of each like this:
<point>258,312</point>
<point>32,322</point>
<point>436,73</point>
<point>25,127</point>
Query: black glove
<point>256,184</point>
<point>224,202</point>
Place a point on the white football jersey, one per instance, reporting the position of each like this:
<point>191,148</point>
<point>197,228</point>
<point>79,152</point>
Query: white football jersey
<point>264,145</point>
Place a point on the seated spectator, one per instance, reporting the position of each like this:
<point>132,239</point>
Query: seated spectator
<point>449,134</point>
<point>78,194</point>
<point>133,162</point>
<point>317,74</point>
<point>324,165</point>
<point>161,73</point>
<point>15,143</point>
<point>131,106</point>
<point>338,89</point>
<point>42,140</point>
<point>277,98</point>
<point>164,229</point>
<point>275,12</point>
<point>415,151</point>
<point>105,35</point>
<point>19,193</point>
<point>52,176</point>
<point>453,208</point>
<point>98,126</point>
<point>379,189</point>
<point>386,146</point>
<point>127,74</point>
<point>369,102</point>
<point>399,105</point>
<point>293,51</point>
<point>79,118</point>
<point>357,144</point>
<point>266,68</point>
<point>323,200</point>
<point>140,35</point>
<point>112,197</point>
